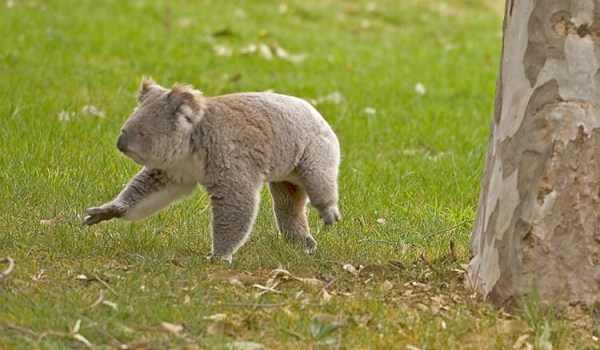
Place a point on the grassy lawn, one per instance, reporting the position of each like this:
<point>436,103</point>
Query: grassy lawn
<point>408,87</point>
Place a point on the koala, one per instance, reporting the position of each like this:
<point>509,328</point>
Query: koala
<point>231,145</point>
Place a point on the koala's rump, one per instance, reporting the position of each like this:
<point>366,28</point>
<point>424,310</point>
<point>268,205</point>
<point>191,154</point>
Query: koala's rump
<point>263,134</point>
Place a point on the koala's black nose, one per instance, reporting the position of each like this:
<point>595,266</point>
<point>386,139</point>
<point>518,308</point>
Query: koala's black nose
<point>122,141</point>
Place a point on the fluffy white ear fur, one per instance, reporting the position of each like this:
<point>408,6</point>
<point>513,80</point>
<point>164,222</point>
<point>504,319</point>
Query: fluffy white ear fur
<point>146,86</point>
<point>188,102</point>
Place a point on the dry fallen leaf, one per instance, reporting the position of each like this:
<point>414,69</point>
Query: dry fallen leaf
<point>110,304</point>
<point>216,317</point>
<point>231,277</point>
<point>215,329</point>
<point>283,54</point>
<point>93,111</point>
<point>172,327</point>
<point>185,22</point>
<point>245,345</point>
<point>326,318</point>
<point>334,97</point>
<point>520,342</point>
<point>279,272</point>
<point>282,8</point>
<point>326,296</point>
<point>514,326</point>
<point>373,270</point>
<point>362,320</point>
<point>76,326</point>
<point>65,116</point>
<point>313,282</point>
<point>351,269</point>
<point>38,277</point>
<point>222,51</point>
<point>52,222</point>
<point>267,288</point>
<point>386,286</point>
<point>11,267</point>
<point>83,340</point>
<point>417,284</point>
<point>265,51</point>
<point>397,263</point>
<point>99,300</point>
<point>578,317</point>
<point>248,49</point>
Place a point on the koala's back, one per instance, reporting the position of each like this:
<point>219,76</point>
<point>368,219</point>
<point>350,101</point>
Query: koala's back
<point>263,134</point>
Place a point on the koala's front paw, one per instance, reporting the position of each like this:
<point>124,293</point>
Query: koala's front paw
<point>102,213</point>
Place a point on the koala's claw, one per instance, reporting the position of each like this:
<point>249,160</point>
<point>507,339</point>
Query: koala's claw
<point>97,214</point>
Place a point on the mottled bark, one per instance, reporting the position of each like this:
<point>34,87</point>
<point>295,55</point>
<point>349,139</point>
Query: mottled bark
<point>538,221</point>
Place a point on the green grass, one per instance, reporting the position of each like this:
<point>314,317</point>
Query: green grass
<point>409,169</point>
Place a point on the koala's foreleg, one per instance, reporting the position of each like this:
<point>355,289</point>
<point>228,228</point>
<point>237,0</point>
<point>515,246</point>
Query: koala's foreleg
<point>289,204</point>
<point>148,192</point>
<point>234,208</point>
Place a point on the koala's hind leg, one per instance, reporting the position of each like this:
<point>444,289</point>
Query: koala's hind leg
<point>289,204</point>
<point>234,208</point>
<point>318,176</point>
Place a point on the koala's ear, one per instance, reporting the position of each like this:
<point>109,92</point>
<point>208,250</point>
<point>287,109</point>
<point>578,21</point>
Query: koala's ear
<point>187,102</point>
<point>147,85</point>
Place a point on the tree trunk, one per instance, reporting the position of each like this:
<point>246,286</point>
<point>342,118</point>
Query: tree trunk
<point>538,222</point>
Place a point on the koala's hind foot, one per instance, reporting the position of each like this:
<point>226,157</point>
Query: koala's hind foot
<point>289,204</point>
<point>330,215</point>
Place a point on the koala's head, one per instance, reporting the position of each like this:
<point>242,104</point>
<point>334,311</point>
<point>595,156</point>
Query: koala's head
<point>158,131</point>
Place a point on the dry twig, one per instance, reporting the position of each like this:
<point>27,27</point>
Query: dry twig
<point>116,344</point>
<point>330,283</point>
<point>98,301</point>
<point>73,334</point>
<point>448,229</point>
<point>376,241</point>
<point>428,263</point>
<point>102,282</point>
<point>397,263</point>
<point>21,330</point>
<point>257,305</point>
<point>10,269</point>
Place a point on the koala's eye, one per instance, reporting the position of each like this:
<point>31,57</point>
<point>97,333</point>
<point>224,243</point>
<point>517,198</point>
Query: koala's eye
<point>141,133</point>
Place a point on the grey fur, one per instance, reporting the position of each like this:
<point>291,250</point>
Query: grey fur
<point>231,145</point>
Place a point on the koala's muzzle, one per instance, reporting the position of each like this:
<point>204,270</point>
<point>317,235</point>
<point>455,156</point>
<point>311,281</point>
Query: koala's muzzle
<point>122,142</point>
